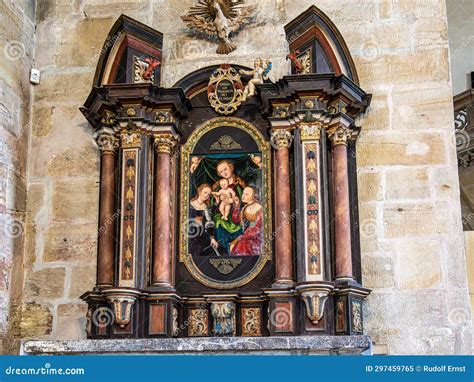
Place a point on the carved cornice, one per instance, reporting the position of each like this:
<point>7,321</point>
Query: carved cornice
<point>165,143</point>
<point>320,89</point>
<point>145,103</point>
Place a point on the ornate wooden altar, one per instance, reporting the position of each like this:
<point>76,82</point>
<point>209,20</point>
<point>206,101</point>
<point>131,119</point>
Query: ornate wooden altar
<point>227,207</point>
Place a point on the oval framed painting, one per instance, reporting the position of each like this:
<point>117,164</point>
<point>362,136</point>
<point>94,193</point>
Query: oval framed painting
<point>225,212</point>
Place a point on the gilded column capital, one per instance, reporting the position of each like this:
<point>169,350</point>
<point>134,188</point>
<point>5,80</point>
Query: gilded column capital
<point>165,143</point>
<point>130,139</point>
<point>107,142</point>
<point>339,135</point>
<point>281,138</point>
<point>310,131</point>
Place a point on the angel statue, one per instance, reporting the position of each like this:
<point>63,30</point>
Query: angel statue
<point>219,18</point>
<point>260,74</point>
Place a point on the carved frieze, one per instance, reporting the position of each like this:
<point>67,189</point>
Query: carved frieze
<point>251,321</point>
<point>198,320</point>
<point>223,314</point>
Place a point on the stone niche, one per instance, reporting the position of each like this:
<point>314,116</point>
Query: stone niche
<point>228,203</point>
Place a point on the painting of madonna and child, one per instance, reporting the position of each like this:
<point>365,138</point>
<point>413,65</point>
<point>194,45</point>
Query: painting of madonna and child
<point>225,208</point>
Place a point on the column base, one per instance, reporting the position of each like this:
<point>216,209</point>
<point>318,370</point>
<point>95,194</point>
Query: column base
<point>282,311</point>
<point>283,284</point>
<point>348,310</point>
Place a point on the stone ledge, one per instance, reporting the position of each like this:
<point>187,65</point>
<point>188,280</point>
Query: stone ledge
<point>203,345</point>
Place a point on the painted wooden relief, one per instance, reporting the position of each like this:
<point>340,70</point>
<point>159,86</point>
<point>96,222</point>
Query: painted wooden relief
<point>312,212</point>
<point>227,211</point>
<point>128,225</point>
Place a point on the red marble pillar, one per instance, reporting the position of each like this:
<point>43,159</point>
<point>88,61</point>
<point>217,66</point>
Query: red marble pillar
<point>342,219</point>
<point>105,260</point>
<point>162,273</point>
<point>281,141</point>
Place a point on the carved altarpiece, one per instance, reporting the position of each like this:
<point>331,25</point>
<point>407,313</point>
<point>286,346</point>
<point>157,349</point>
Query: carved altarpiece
<point>226,221</point>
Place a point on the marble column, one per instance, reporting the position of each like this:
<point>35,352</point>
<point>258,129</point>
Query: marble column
<point>281,141</point>
<point>105,261</point>
<point>342,219</point>
<point>162,273</point>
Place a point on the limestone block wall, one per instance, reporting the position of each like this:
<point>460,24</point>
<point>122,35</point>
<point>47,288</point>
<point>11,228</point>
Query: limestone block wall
<point>16,57</point>
<point>461,42</point>
<point>412,241</point>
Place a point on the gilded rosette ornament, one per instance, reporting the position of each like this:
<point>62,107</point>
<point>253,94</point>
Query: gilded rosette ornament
<point>225,90</point>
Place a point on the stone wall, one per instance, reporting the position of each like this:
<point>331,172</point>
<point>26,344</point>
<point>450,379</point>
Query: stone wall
<point>16,57</point>
<point>412,241</point>
<point>461,42</point>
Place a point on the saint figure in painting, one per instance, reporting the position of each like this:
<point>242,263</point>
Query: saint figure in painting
<point>200,225</point>
<point>250,217</point>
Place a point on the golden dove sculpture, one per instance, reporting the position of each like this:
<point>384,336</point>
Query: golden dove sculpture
<point>219,18</point>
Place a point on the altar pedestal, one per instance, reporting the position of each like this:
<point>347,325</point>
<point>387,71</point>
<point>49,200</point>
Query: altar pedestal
<point>300,345</point>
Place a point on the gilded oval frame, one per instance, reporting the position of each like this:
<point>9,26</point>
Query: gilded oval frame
<point>186,151</point>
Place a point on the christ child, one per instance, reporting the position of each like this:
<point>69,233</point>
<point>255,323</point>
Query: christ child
<point>225,197</point>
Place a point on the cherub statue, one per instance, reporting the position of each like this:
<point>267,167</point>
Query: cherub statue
<point>219,18</point>
<point>259,74</point>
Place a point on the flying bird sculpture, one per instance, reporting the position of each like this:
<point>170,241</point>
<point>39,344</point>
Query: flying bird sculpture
<point>219,18</point>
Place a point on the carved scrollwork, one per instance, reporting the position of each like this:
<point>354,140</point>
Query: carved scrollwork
<point>225,90</point>
<point>198,322</point>
<point>165,143</point>
<point>357,316</point>
<point>339,135</point>
<point>251,321</point>
<point>223,314</point>
<point>175,326</point>
<point>107,142</point>
<point>281,138</point>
